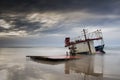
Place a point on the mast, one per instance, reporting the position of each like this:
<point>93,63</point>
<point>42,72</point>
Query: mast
<point>102,41</point>
<point>88,43</point>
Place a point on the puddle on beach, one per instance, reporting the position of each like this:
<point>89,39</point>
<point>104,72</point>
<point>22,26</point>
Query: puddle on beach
<point>15,66</point>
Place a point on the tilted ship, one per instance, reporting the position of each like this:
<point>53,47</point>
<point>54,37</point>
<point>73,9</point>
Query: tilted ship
<point>85,43</point>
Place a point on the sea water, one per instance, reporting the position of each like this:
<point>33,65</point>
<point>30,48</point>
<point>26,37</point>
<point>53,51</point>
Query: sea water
<point>14,65</point>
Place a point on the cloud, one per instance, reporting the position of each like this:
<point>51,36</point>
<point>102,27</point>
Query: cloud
<point>51,18</point>
<point>90,6</point>
<point>55,23</point>
<point>49,21</point>
<point>18,24</point>
<point>36,17</point>
<point>83,19</point>
<point>32,23</point>
<point>13,33</point>
<point>4,24</point>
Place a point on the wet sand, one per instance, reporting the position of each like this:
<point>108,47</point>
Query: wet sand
<point>15,66</point>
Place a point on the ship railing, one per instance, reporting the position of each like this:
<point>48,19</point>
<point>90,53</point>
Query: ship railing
<point>96,35</point>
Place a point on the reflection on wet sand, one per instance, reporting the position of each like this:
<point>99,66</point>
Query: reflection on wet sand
<point>15,66</point>
<point>83,67</point>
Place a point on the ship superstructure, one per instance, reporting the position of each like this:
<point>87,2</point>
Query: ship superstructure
<point>85,43</point>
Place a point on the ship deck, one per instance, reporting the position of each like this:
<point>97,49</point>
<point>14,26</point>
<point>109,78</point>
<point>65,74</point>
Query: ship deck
<point>54,58</point>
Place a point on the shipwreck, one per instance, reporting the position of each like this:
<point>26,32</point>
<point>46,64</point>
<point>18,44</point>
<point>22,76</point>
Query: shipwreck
<point>85,43</point>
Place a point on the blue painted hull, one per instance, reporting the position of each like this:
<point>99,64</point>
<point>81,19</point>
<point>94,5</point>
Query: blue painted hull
<point>100,48</point>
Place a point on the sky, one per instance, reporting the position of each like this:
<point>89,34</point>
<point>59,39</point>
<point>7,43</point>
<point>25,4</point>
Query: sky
<point>26,23</point>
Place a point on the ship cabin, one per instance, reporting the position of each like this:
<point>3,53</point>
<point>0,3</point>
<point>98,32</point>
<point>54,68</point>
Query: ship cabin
<point>84,44</point>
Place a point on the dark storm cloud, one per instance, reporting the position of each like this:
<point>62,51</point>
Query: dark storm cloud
<point>51,18</point>
<point>24,7</point>
<point>93,6</point>
<point>19,23</point>
<point>23,24</point>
